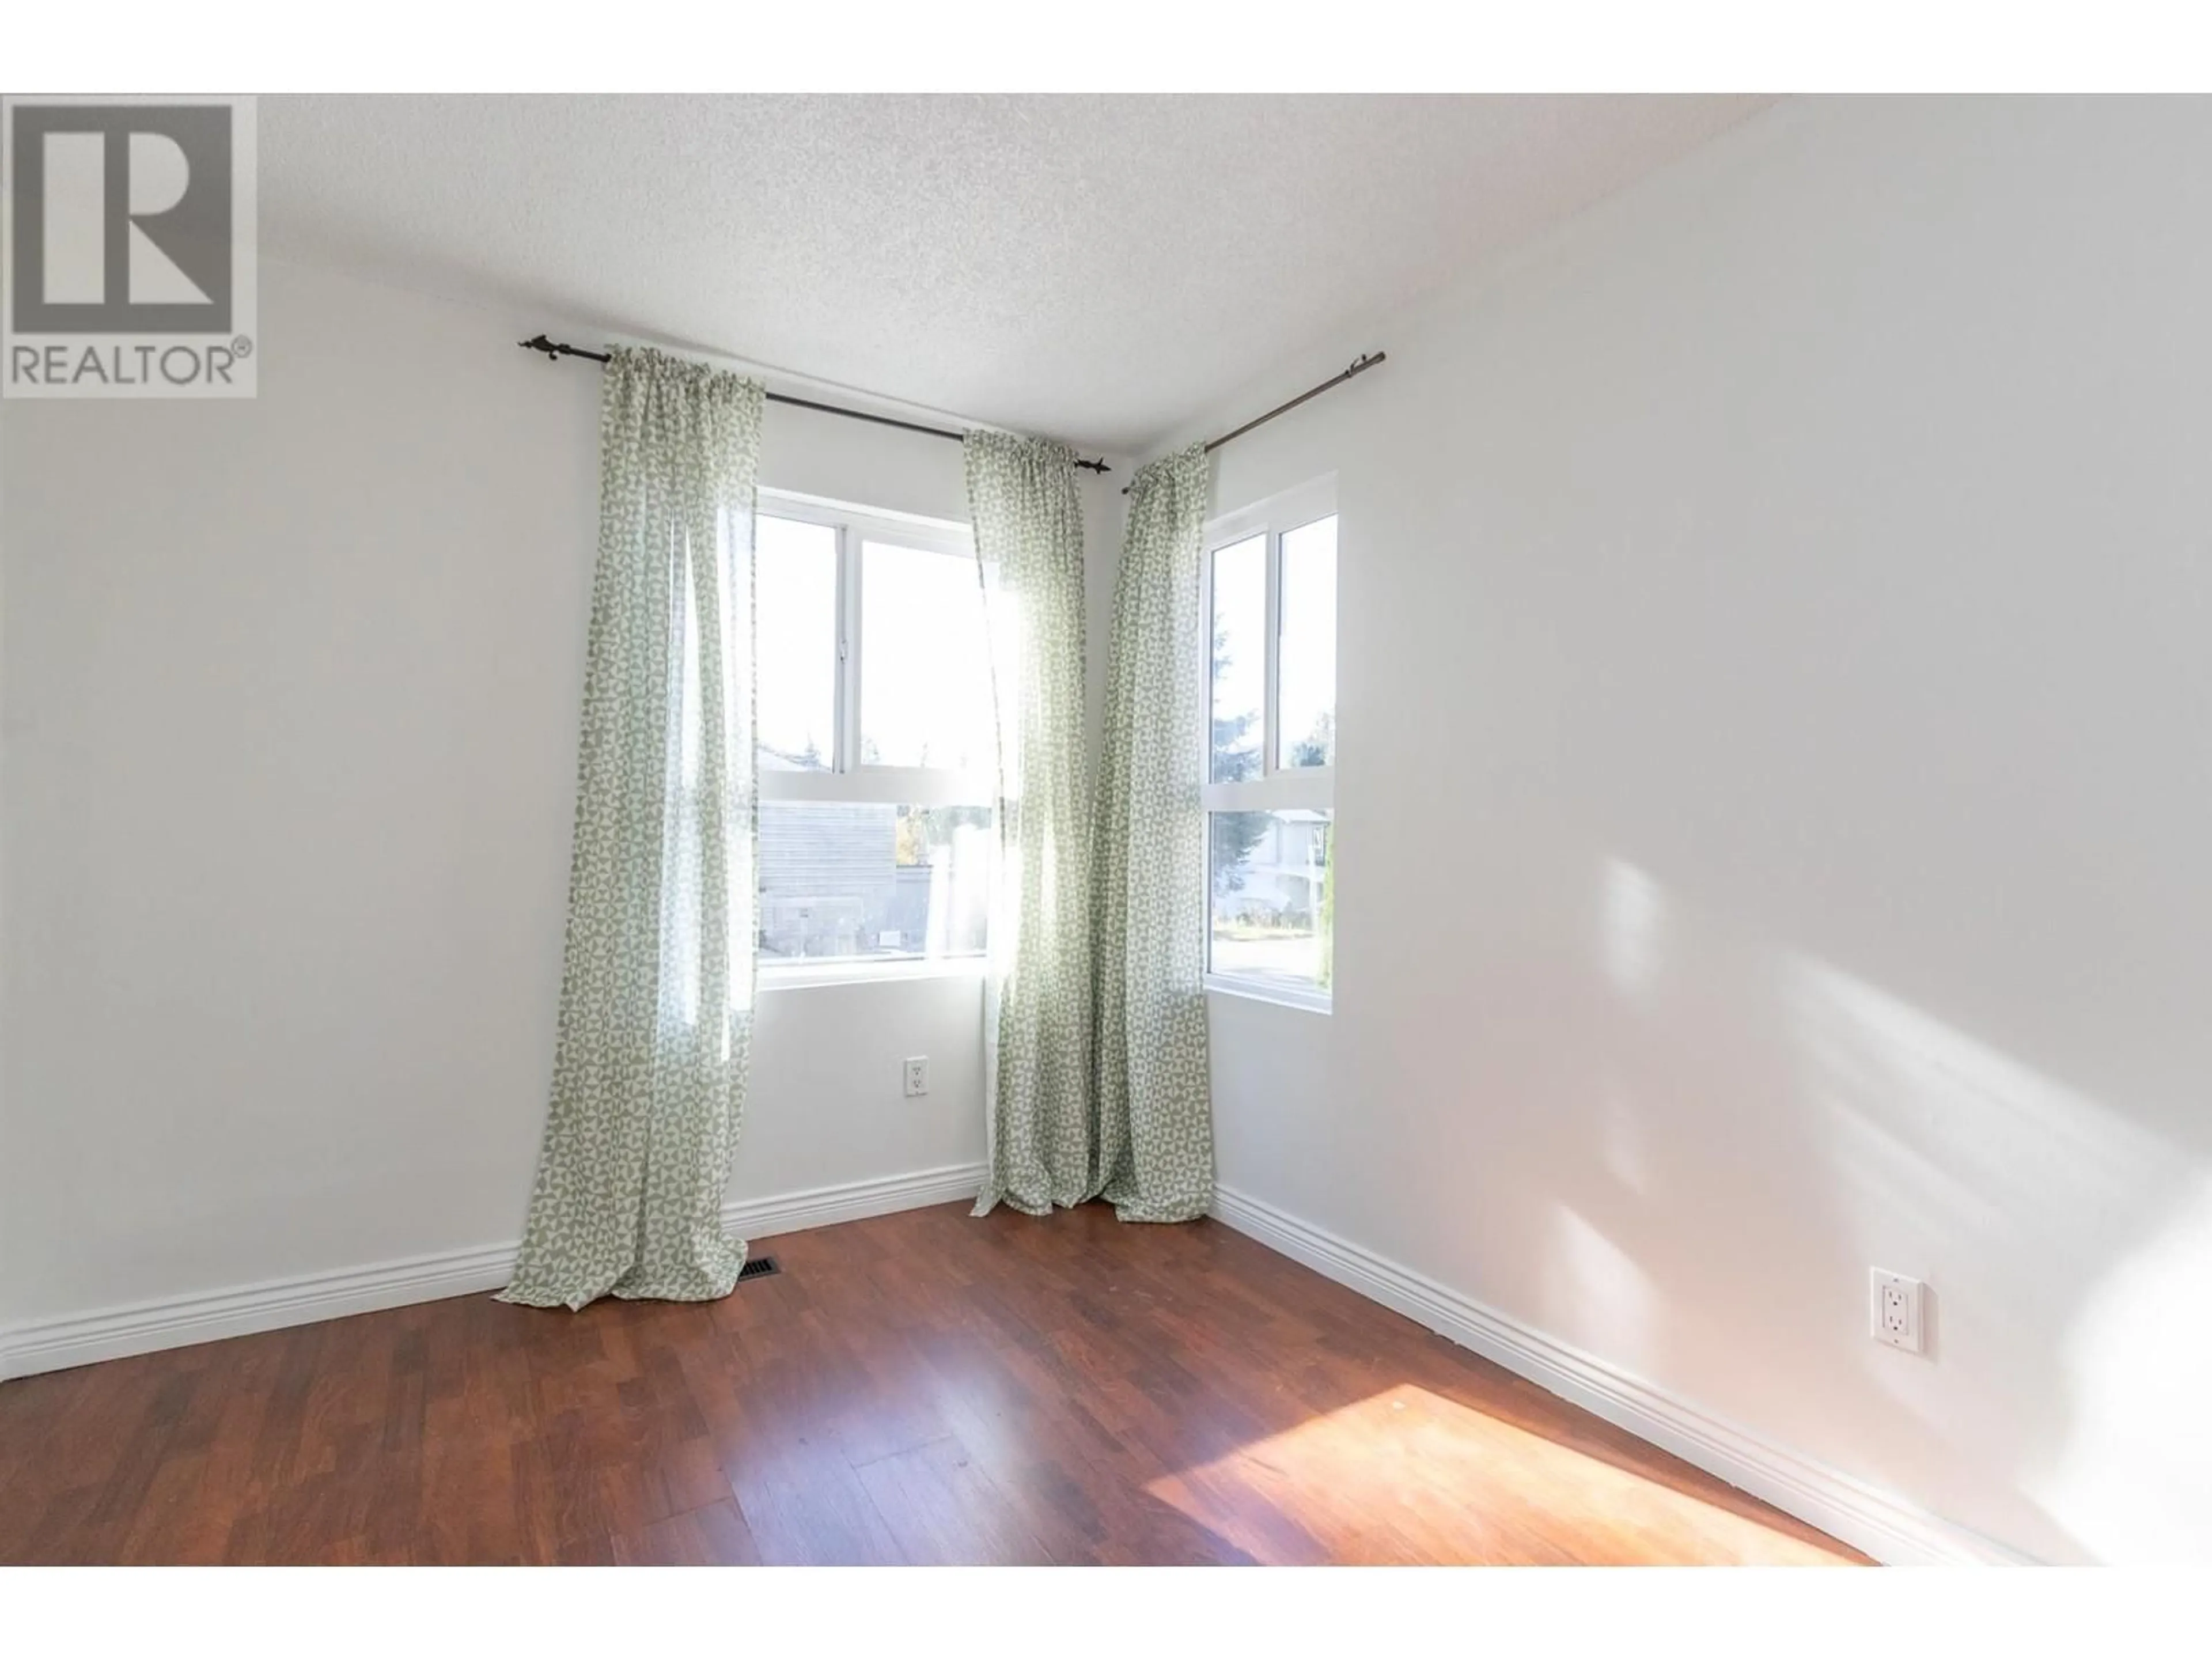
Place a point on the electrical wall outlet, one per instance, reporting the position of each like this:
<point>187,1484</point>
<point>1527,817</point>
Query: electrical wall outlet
<point>917,1076</point>
<point>1896,1307</point>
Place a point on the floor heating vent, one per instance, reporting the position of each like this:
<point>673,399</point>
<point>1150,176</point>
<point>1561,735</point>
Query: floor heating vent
<point>757,1266</point>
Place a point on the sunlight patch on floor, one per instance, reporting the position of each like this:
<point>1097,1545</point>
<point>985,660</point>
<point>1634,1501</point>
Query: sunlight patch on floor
<point>1407,1475</point>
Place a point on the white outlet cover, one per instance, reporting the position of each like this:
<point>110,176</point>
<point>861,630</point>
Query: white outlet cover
<point>1895,1308</point>
<point>917,1076</point>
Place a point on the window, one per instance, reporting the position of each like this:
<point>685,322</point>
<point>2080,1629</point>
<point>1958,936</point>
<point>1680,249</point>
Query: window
<point>875,733</point>
<point>925,687</point>
<point>795,577</point>
<point>1270,579</point>
<point>841,881</point>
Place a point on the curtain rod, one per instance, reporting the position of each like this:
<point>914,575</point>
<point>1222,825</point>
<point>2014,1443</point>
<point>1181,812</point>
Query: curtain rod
<point>556,349</point>
<point>1361,365</point>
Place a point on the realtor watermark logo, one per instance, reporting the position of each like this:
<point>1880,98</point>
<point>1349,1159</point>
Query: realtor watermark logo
<point>127,247</point>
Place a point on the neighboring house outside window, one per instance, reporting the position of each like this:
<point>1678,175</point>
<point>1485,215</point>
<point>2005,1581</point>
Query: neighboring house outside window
<point>875,741</point>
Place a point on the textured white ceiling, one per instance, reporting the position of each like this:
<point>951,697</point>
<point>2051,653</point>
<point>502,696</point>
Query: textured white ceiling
<point>1096,268</point>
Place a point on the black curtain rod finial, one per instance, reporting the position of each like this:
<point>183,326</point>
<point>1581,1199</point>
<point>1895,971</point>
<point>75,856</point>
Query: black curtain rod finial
<point>556,349</point>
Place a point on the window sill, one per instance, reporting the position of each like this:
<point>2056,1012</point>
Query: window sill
<point>1283,996</point>
<point>810,975</point>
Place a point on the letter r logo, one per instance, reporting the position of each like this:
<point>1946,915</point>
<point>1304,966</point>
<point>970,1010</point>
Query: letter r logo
<point>122,217</point>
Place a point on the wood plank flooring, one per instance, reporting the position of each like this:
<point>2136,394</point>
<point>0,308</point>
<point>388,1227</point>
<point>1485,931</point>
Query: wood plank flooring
<point>919,1388</point>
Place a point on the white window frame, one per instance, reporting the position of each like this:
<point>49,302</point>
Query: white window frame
<point>846,780</point>
<point>1278,787</point>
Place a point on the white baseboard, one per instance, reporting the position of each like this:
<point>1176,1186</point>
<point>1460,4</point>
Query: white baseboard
<point>1883,1525</point>
<point>52,1345</point>
<point>855,1200</point>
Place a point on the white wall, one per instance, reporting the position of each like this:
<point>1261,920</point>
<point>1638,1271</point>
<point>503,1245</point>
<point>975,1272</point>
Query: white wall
<point>291,692</point>
<point>1775,798</point>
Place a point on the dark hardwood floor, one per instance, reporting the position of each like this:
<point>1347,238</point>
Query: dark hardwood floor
<point>919,1388</point>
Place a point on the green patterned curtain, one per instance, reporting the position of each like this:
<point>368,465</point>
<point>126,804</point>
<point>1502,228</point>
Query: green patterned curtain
<point>657,982</point>
<point>1028,550</point>
<point>1154,1101</point>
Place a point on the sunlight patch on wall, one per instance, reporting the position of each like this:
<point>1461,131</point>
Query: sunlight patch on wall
<point>2133,1481</point>
<point>1625,1141</point>
<point>1961,1134</point>
<point>2014,1195</point>
<point>1633,921</point>
<point>1592,1286</point>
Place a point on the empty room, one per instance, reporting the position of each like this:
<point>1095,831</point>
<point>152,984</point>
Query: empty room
<point>1107,829</point>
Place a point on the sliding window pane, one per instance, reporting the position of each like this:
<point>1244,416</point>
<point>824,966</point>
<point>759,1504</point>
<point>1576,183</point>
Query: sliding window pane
<point>1239,606</point>
<point>795,634</point>
<point>1273,899</point>
<point>925,663</point>
<point>840,882</point>
<point>1306,688</point>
